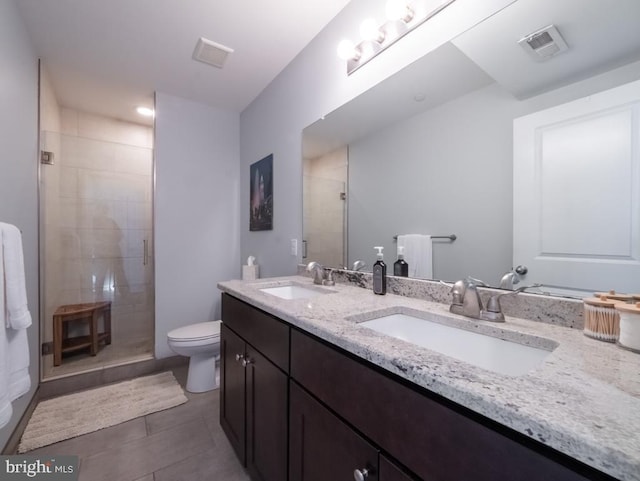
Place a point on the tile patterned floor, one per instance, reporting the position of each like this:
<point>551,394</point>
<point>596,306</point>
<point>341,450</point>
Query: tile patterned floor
<point>184,443</point>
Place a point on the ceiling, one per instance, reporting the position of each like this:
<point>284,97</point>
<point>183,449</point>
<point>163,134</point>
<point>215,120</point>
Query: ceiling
<point>108,56</point>
<point>601,35</point>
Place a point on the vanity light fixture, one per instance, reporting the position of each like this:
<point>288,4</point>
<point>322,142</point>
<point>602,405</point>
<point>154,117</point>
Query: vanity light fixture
<point>369,31</point>
<point>402,17</point>
<point>145,111</point>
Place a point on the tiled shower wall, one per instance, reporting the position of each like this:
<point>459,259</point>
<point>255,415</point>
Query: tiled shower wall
<point>97,216</point>
<point>324,186</point>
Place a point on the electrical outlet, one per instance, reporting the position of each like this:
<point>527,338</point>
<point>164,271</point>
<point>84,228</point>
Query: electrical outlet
<point>294,247</point>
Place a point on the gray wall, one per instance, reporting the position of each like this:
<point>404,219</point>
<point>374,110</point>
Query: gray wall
<point>196,212</point>
<point>18,168</point>
<point>446,171</point>
<point>311,86</point>
<point>449,171</point>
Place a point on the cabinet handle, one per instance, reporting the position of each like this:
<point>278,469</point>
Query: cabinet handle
<point>246,362</point>
<point>360,474</point>
<point>240,357</point>
<point>145,249</point>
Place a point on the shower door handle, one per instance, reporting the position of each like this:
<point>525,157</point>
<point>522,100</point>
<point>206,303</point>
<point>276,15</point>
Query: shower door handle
<point>145,250</point>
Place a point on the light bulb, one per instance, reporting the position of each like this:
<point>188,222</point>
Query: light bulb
<point>398,10</point>
<point>346,49</point>
<point>369,31</point>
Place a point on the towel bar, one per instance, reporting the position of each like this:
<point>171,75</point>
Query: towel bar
<point>451,237</point>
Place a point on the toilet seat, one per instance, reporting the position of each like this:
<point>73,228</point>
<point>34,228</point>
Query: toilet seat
<point>201,331</point>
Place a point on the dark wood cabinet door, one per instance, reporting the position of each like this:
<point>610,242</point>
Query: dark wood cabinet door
<point>267,415</point>
<point>321,446</point>
<point>390,472</point>
<point>232,391</point>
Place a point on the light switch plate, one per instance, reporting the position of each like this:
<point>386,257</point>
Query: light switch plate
<point>294,247</point>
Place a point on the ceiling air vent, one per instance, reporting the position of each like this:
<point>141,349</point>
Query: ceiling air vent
<point>211,53</point>
<point>544,43</point>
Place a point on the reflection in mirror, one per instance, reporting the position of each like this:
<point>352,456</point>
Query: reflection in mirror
<point>431,151</point>
<point>325,209</point>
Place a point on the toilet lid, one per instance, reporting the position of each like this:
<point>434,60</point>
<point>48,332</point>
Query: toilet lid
<point>192,332</point>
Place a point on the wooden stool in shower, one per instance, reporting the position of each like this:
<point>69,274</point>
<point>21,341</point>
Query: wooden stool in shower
<point>89,313</point>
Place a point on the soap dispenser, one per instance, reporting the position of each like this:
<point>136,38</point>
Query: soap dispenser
<point>380,274</point>
<point>400,267</point>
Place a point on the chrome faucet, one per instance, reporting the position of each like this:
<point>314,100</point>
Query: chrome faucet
<point>512,277</point>
<point>321,275</point>
<point>358,265</point>
<point>317,270</point>
<point>466,301</point>
<point>508,280</point>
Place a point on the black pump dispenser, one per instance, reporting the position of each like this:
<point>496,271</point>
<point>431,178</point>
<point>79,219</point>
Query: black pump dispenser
<point>380,274</point>
<point>400,267</point>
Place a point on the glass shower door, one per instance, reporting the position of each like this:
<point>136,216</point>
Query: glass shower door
<point>324,221</point>
<point>96,231</point>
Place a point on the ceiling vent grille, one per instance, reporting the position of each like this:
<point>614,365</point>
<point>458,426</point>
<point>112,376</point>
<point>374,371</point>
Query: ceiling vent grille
<point>544,43</point>
<point>211,53</point>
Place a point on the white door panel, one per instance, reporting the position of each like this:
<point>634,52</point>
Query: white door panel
<point>577,191</point>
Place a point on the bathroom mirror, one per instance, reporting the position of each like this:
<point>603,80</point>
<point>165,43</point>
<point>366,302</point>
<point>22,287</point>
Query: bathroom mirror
<point>431,150</point>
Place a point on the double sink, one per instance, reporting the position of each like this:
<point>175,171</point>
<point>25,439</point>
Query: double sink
<point>475,342</point>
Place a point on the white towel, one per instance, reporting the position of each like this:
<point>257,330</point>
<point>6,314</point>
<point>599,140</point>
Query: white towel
<point>14,319</point>
<point>418,254</point>
<point>5,400</point>
<point>19,378</point>
<point>18,316</point>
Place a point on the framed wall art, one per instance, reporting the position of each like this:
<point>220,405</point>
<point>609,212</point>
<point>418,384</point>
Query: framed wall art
<point>261,192</point>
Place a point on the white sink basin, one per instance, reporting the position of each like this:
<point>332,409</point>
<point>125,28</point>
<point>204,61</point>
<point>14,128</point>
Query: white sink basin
<point>295,291</point>
<point>489,350</point>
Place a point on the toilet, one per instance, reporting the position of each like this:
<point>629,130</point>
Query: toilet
<point>201,344</point>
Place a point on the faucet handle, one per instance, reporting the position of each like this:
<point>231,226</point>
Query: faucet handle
<point>493,305</point>
<point>329,278</point>
<point>476,282</point>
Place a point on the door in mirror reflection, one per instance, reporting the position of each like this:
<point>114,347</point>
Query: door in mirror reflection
<point>577,176</point>
<point>325,191</point>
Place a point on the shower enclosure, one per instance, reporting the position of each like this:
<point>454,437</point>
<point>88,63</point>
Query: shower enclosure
<point>96,238</point>
<point>324,188</point>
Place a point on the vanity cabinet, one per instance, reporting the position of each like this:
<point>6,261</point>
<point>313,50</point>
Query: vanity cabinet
<point>254,388</point>
<point>344,414</point>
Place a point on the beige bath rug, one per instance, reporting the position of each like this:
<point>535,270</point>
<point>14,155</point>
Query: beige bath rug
<point>69,416</point>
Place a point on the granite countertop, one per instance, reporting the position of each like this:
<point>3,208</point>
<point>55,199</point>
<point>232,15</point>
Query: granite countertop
<point>583,400</point>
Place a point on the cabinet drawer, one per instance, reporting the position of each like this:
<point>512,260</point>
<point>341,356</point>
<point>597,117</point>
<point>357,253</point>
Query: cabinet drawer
<point>267,334</point>
<point>429,438</point>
